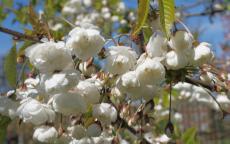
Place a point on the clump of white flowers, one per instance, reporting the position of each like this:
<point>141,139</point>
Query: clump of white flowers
<point>35,112</point>
<point>45,134</point>
<point>69,103</point>
<point>104,112</point>
<point>120,59</point>
<point>85,43</point>
<point>49,57</point>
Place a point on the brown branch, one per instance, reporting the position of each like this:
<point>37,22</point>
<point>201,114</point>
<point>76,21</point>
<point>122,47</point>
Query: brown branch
<point>192,5</point>
<point>198,83</point>
<point>204,13</point>
<point>209,90</point>
<point>18,35</point>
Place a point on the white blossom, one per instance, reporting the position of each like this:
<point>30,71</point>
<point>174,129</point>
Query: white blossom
<point>120,59</point>
<point>89,91</point>
<point>29,90</point>
<point>32,111</point>
<point>87,3</point>
<point>132,17</point>
<point>203,54</point>
<point>121,7</point>
<point>162,139</point>
<point>123,22</point>
<point>105,112</point>
<point>106,14</point>
<point>85,140</point>
<point>69,103</point>
<point>129,84</point>
<point>102,140</point>
<point>10,93</point>
<point>129,79</point>
<point>176,60</point>
<point>73,7</point>
<point>45,134</point>
<point>151,71</point>
<point>8,107</point>
<point>116,92</point>
<point>181,40</point>
<point>115,18</point>
<point>49,57</point>
<point>85,43</point>
<point>156,46</point>
<point>58,82</point>
<point>86,21</point>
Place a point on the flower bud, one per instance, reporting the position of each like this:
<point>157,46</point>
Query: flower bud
<point>169,129</point>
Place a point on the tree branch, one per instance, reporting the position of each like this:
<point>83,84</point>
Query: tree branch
<point>192,5</point>
<point>198,83</point>
<point>204,13</point>
<point>209,90</point>
<point>18,35</point>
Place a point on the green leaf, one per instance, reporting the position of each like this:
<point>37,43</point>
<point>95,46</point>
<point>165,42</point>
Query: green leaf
<point>10,69</point>
<point>167,15</point>
<point>2,14</point>
<point>8,3</point>
<point>142,14</point>
<point>189,136</point>
<point>147,34</point>
<point>4,122</point>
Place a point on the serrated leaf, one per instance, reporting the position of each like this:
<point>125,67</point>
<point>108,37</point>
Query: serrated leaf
<point>10,65</point>
<point>4,122</point>
<point>142,14</point>
<point>167,15</point>
<point>189,136</point>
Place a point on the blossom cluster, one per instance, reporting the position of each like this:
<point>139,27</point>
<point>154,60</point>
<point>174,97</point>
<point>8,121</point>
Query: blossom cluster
<point>84,12</point>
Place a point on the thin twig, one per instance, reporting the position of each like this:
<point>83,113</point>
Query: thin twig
<point>208,89</point>
<point>19,35</point>
<point>204,13</point>
<point>192,5</point>
<point>68,22</point>
<point>198,83</point>
<point>170,100</point>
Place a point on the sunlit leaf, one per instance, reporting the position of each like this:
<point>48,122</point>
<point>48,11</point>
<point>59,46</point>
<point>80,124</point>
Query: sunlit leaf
<point>189,136</point>
<point>10,64</point>
<point>167,15</point>
<point>142,14</point>
<point>4,122</point>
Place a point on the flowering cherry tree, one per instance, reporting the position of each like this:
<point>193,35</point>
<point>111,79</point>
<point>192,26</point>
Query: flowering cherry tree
<point>103,73</point>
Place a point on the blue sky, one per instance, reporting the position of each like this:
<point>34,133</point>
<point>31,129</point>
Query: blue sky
<point>211,32</point>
